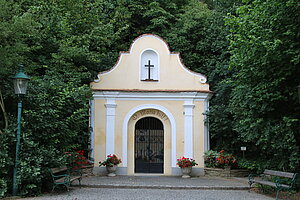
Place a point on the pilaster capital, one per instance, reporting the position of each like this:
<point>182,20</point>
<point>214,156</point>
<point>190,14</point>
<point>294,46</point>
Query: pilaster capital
<point>110,105</point>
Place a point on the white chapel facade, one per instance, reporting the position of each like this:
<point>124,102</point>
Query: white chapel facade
<point>149,110</point>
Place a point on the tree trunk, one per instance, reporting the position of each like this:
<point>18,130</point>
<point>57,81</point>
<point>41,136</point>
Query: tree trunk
<point>3,110</point>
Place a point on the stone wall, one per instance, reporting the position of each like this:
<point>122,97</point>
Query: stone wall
<point>218,172</point>
<point>87,170</point>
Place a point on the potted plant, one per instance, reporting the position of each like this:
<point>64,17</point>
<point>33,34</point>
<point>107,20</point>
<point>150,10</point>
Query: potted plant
<point>111,164</point>
<point>186,165</point>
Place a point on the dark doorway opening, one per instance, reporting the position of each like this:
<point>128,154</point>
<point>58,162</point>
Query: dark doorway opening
<point>149,146</point>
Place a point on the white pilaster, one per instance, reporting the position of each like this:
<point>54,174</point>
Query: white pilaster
<point>206,126</point>
<point>110,125</point>
<point>91,127</point>
<point>188,128</point>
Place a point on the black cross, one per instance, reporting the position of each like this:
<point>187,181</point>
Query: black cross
<point>149,67</point>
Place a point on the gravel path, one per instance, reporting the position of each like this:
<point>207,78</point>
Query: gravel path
<point>157,187</point>
<point>152,194</point>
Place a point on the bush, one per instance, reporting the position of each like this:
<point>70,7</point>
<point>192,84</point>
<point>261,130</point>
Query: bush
<point>76,160</point>
<point>6,160</point>
<point>256,166</point>
<point>219,159</point>
<point>210,158</point>
<point>55,120</point>
<point>3,187</point>
<point>224,159</point>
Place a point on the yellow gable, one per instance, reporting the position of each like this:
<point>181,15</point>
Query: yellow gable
<point>150,66</point>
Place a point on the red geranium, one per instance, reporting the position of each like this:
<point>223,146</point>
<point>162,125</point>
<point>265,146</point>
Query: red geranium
<point>111,160</point>
<point>225,159</point>
<point>186,162</point>
<point>76,160</point>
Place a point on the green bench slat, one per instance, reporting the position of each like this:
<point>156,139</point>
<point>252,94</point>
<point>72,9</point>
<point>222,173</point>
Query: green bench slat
<point>270,183</point>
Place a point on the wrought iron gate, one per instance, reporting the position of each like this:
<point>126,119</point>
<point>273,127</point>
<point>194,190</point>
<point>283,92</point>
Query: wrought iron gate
<point>149,146</point>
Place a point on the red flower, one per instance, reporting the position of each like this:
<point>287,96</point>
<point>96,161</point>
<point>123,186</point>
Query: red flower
<point>225,159</point>
<point>186,162</point>
<point>111,160</point>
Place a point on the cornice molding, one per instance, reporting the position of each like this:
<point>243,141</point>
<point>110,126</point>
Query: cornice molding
<point>168,96</point>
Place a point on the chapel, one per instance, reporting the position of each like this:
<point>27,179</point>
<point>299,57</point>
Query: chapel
<point>149,110</point>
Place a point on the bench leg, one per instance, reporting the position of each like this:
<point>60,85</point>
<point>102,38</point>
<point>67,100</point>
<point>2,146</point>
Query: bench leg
<point>53,187</point>
<point>277,192</point>
<point>250,184</point>
<point>67,186</point>
<point>68,189</point>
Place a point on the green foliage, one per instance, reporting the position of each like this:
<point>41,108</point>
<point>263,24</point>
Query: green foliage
<point>216,63</point>
<point>6,159</point>
<point>16,29</point>
<point>3,187</point>
<point>63,44</point>
<point>192,36</point>
<point>255,165</point>
<point>210,158</point>
<point>63,101</point>
<point>55,120</point>
<point>219,159</point>
<point>264,43</point>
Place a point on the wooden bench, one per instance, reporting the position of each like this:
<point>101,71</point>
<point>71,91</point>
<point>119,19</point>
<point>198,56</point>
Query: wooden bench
<point>279,180</point>
<point>64,176</point>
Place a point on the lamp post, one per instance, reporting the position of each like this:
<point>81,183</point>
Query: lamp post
<point>20,86</point>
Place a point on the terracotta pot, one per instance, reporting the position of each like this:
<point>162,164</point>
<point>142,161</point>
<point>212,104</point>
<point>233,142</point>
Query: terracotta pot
<point>111,170</point>
<point>186,171</point>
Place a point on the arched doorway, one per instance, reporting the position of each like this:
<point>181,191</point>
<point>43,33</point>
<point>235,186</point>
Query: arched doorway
<point>149,146</point>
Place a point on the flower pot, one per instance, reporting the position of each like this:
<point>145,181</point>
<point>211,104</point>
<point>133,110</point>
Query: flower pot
<point>111,170</point>
<point>186,171</point>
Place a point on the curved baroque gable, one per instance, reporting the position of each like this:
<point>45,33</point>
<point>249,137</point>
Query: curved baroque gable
<point>150,66</point>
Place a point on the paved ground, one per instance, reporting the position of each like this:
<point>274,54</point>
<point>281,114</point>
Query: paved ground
<point>153,194</point>
<point>155,187</point>
<point>167,182</point>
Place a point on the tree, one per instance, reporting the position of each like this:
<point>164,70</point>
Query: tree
<point>16,27</point>
<point>264,43</point>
